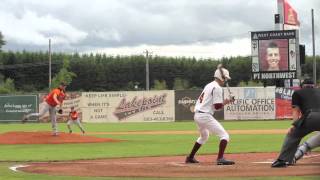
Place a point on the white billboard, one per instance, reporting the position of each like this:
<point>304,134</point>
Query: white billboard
<point>128,106</point>
<point>251,103</point>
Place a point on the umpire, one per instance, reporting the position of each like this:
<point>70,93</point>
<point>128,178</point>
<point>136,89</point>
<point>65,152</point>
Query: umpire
<point>306,117</point>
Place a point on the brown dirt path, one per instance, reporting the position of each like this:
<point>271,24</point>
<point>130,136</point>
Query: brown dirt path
<point>47,138</point>
<point>247,165</point>
<point>43,137</point>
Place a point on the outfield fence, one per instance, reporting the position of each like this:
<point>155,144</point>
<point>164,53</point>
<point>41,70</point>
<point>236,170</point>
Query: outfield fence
<point>153,106</point>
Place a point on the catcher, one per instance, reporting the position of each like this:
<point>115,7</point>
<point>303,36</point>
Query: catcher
<point>53,99</point>
<point>74,118</point>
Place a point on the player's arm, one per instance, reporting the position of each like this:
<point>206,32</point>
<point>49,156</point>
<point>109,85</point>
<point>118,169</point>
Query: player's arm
<point>55,98</point>
<point>296,113</point>
<point>218,101</point>
<point>296,104</point>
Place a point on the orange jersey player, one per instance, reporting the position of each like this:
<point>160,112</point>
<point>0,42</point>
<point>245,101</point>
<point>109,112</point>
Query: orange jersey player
<point>53,99</point>
<point>74,118</point>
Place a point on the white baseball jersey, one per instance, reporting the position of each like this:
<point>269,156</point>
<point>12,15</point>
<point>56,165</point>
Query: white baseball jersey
<point>211,94</point>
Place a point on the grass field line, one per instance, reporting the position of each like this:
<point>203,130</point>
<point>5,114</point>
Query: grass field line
<point>311,156</point>
<point>15,167</point>
<point>261,131</point>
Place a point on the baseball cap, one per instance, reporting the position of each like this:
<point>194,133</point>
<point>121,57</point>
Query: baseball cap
<point>224,76</point>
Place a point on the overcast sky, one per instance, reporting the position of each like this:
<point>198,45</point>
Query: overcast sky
<point>199,28</point>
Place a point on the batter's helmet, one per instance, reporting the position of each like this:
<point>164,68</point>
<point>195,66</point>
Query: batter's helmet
<point>222,73</point>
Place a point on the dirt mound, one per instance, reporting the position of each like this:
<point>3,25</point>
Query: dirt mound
<point>47,138</point>
<point>247,165</point>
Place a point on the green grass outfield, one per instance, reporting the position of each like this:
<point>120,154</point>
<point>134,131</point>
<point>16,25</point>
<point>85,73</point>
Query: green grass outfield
<point>135,145</point>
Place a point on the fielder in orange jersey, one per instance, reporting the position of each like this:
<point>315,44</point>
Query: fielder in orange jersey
<point>53,99</point>
<point>74,118</point>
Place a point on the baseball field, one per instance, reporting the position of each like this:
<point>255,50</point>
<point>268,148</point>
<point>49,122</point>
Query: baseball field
<point>147,151</point>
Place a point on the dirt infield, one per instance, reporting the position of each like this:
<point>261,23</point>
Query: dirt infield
<point>247,165</point>
<point>47,138</point>
<point>43,137</point>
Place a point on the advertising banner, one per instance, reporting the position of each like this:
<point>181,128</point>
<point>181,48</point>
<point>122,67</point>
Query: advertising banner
<point>12,108</point>
<point>283,102</point>
<point>185,101</point>
<point>128,106</point>
<point>251,103</point>
<point>72,100</point>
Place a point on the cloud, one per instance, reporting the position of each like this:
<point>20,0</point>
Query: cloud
<point>198,50</point>
<point>81,25</point>
<point>30,28</point>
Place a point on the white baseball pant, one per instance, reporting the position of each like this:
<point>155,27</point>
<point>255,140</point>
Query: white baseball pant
<point>207,125</point>
<point>52,112</point>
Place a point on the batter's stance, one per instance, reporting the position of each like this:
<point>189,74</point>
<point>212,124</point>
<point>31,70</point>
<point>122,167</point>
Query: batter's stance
<point>210,100</point>
<point>54,98</point>
<point>306,117</point>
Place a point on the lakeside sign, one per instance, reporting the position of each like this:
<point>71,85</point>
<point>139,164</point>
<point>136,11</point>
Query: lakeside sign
<point>275,54</point>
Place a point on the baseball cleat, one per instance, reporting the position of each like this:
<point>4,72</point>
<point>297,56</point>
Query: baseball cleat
<point>293,162</point>
<point>223,161</point>
<point>191,160</point>
<point>24,119</point>
<point>55,134</point>
<point>279,164</point>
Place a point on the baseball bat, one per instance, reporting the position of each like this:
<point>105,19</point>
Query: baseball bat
<point>231,96</point>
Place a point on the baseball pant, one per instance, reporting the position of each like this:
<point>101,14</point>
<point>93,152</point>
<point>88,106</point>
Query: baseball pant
<point>52,112</point>
<point>292,139</point>
<point>207,125</point>
<point>309,144</point>
<point>77,122</point>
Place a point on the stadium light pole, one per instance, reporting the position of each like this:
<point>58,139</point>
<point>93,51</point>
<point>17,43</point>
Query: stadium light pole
<point>49,64</point>
<point>313,51</point>
<point>147,70</point>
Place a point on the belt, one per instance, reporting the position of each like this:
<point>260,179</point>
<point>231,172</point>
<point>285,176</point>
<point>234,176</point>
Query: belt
<point>203,112</point>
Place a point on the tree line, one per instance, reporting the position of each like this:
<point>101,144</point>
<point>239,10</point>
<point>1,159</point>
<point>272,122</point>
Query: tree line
<point>29,71</point>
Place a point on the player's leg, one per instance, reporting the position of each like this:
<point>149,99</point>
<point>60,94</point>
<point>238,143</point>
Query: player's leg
<point>309,144</point>
<point>53,117</point>
<point>45,108</point>
<point>289,147</point>
<point>69,123</point>
<point>216,128</point>
<point>80,126</point>
<point>200,120</point>
<point>294,137</point>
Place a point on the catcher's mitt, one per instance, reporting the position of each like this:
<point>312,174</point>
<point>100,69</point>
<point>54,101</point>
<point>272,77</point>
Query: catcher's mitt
<point>60,111</point>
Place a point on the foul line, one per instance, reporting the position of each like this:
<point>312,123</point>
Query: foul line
<point>15,167</point>
<point>244,131</point>
<point>304,157</point>
<point>311,156</point>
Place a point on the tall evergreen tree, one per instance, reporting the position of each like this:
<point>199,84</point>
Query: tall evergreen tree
<point>2,42</point>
